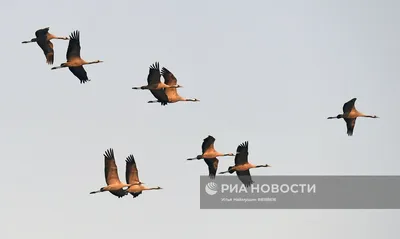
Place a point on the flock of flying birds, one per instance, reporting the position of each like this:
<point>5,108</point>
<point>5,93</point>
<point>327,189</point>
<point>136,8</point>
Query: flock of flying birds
<point>164,92</point>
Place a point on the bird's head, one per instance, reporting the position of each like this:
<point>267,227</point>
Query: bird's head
<point>99,61</point>
<point>336,117</point>
<point>195,100</point>
<point>32,40</point>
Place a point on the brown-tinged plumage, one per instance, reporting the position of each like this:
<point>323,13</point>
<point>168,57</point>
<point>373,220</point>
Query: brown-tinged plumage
<point>350,115</point>
<point>132,177</point>
<point>169,95</point>
<point>114,185</point>
<point>242,166</point>
<point>153,80</point>
<point>74,61</point>
<point>209,154</point>
<point>43,38</point>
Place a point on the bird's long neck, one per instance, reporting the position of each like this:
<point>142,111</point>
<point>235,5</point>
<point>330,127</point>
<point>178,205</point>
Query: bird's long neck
<point>153,101</point>
<point>99,191</point>
<point>145,87</point>
<point>261,166</point>
<point>336,117</point>
<point>32,40</point>
<point>197,157</point>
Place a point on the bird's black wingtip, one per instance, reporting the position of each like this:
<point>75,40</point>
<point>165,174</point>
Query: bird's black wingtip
<point>245,144</point>
<point>130,159</point>
<point>74,35</point>
<point>84,81</point>
<point>155,66</point>
<point>109,154</point>
<point>164,71</point>
<point>209,137</point>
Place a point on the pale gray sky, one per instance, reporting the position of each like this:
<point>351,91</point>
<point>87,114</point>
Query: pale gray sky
<point>269,72</point>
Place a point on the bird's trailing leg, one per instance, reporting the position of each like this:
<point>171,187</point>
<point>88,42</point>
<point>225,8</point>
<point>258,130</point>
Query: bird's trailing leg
<point>370,116</point>
<point>62,38</point>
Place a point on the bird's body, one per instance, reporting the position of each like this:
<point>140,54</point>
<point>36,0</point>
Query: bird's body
<point>43,38</point>
<point>209,154</point>
<point>350,114</point>
<point>74,61</point>
<point>132,177</point>
<point>153,80</point>
<point>114,185</point>
<point>168,94</point>
<point>242,166</point>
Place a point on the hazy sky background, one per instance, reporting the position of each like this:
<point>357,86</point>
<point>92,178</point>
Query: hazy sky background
<point>269,72</point>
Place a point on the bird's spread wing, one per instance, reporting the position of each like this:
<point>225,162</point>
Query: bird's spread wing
<point>136,194</point>
<point>348,106</point>
<point>212,167</point>
<point>160,95</point>
<point>119,193</point>
<point>49,53</point>
<point>47,48</point>
<point>245,177</point>
<point>242,153</point>
<point>42,33</point>
<point>74,46</point>
<point>169,79</point>
<point>131,172</point>
<point>208,144</point>
<point>154,74</point>
<point>80,72</point>
<point>110,168</point>
<point>350,123</point>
